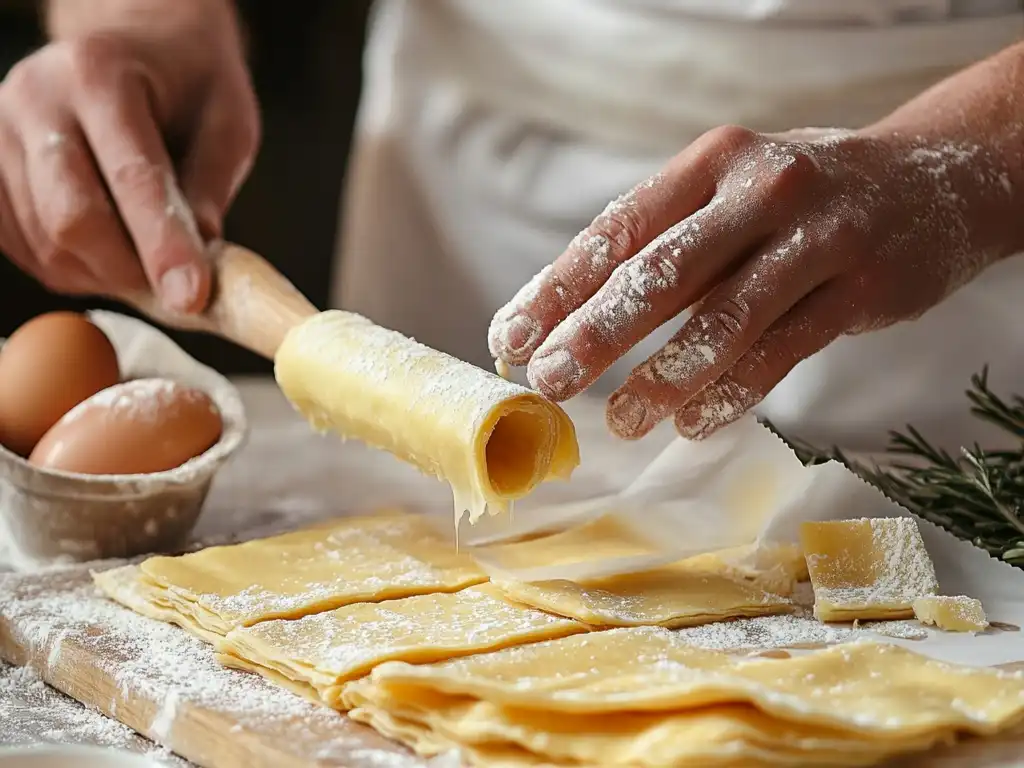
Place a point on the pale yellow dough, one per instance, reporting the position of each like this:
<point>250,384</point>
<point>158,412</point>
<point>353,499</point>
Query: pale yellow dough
<point>351,560</point>
<point>866,687</point>
<point>702,589</point>
<point>324,651</point>
<point>492,440</point>
<point>867,569</point>
<point>953,614</point>
<point>381,615</point>
<point>721,735</point>
<point>643,697</point>
<point>126,586</point>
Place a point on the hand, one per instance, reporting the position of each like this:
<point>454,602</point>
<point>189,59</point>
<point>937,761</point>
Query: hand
<point>778,245</point>
<point>92,200</point>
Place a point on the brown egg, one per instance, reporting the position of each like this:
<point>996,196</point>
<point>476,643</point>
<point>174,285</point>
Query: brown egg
<point>138,427</point>
<point>47,367</point>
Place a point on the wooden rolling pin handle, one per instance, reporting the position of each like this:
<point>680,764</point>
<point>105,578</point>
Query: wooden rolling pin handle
<point>252,304</point>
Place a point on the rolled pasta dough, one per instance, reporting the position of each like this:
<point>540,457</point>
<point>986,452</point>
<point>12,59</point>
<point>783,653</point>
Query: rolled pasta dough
<point>492,440</point>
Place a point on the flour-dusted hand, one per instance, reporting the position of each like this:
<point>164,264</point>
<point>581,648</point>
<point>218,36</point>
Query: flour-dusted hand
<point>778,245</point>
<point>136,115</point>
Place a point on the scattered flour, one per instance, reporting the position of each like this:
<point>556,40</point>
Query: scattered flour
<point>31,711</point>
<point>157,662</point>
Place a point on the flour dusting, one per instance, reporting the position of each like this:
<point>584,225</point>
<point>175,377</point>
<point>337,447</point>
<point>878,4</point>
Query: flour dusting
<point>157,662</point>
<point>141,400</point>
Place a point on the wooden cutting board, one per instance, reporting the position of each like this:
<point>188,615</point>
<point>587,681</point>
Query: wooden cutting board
<point>166,685</point>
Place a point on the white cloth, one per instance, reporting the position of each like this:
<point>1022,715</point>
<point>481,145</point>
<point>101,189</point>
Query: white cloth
<point>491,132</point>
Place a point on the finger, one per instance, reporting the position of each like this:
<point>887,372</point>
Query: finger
<point>74,210</point>
<point>729,321</point>
<point>802,332</point>
<point>59,271</point>
<point>668,276</point>
<point>625,227</point>
<point>12,239</point>
<point>117,118</point>
<point>219,159</point>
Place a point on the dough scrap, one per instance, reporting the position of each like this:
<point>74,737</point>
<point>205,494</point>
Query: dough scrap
<point>953,614</point>
<point>492,440</point>
<point>325,650</point>
<point>728,734</point>
<point>867,569</point>
<point>712,587</point>
<point>356,559</point>
<point>870,688</point>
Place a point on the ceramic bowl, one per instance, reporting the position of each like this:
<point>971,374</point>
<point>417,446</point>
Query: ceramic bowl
<point>50,516</point>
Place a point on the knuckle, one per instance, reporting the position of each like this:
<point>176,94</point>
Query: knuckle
<point>70,220</point>
<point>62,272</point>
<point>729,137</point>
<point>22,79</point>
<point>791,171</point>
<point>95,63</point>
<point>139,175</point>
<point>52,260</point>
<point>729,318</point>
<point>623,226</point>
<point>87,54</point>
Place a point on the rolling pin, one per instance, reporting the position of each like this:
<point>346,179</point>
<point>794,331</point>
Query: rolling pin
<point>491,440</point>
<point>252,304</point>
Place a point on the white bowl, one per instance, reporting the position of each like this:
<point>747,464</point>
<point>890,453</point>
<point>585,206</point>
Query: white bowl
<point>72,757</point>
<point>49,516</point>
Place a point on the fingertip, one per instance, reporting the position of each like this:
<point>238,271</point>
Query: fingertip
<point>689,424</point>
<point>717,406</point>
<point>627,415</point>
<point>513,338</point>
<point>555,374</point>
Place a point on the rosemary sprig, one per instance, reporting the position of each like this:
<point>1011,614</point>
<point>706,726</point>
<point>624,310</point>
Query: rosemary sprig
<point>977,496</point>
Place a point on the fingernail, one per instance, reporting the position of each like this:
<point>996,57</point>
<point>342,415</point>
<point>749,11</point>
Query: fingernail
<point>520,333</point>
<point>690,425</point>
<point>626,415</point>
<point>179,287</point>
<point>512,338</point>
<point>554,374</point>
<point>718,407</point>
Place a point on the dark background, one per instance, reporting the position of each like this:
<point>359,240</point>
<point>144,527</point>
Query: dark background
<point>305,58</point>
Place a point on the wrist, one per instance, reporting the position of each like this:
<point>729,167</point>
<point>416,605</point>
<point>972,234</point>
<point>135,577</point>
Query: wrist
<point>973,183</point>
<point>976,117</point>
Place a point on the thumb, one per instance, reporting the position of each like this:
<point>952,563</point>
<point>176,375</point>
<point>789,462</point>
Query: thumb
<point>219,159</point>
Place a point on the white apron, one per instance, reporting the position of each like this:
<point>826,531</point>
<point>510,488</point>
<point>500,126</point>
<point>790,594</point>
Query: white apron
<point>492,132</point>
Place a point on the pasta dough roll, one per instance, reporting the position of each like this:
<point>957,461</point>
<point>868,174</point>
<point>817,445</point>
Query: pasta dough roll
<point>492,440</point>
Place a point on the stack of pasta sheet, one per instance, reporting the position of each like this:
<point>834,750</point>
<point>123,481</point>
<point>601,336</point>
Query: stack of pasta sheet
<point>382,615</point>
<point>642,697</point>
